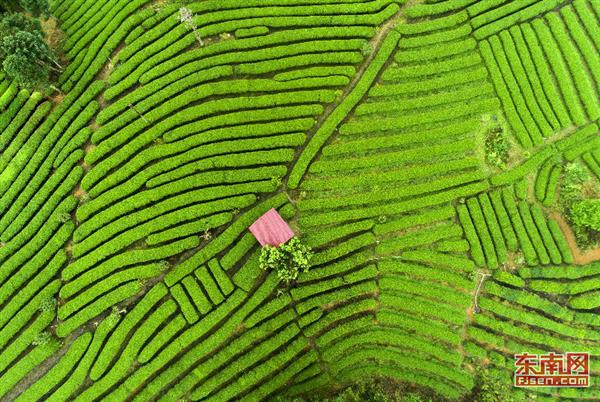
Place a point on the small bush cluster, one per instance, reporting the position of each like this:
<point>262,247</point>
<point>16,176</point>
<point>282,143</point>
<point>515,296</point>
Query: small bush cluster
<point>587,213</point>
<point>288,260</point>
<point>578,198</point>
<point>496,147</point>
<point>369,390</point>
<point>493,389</point>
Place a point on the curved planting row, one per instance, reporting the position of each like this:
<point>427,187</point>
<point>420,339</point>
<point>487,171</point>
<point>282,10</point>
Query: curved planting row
<point>125,207</point>
<point>384,185</point>
<point>519,312</point>
<point>498,223</point>
<point>39,170</point>
<point>171,175</point>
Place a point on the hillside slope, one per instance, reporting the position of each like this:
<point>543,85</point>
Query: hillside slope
<point>127,271</point>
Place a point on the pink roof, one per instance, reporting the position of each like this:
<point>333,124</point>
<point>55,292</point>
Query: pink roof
<point>271,229</point>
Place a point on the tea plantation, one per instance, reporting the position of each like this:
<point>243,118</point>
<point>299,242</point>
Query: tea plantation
<point>429,151</point>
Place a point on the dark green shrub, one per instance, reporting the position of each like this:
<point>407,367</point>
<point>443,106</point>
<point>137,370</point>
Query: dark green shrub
<point>288,260</point>
<point>35,7</point>
<point>496,147</point>
<point>586,213</point>
<point>578,194</point>
<point>493,389</point>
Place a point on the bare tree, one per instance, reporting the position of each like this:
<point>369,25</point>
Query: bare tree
<point>482,277</point>
<point>186,16</point>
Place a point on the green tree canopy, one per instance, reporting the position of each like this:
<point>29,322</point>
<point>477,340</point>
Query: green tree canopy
<point>24,55</point>
<point>12,23</point>
<point>35,7</point>
<point>587,213</point>
<point>288,260</point>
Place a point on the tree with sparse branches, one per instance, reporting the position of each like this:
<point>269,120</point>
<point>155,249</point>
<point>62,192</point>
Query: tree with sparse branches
<point>186,16</point>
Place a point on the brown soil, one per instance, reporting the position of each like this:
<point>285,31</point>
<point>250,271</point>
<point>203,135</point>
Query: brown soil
<point>579,258</point>
<point>88,148</point>
<point>79,192</point>
<point>54,36</point>
<point>57,97</point>
<point>470,312</point>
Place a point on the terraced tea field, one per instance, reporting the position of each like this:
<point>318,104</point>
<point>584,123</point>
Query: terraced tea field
<point>127,271</point>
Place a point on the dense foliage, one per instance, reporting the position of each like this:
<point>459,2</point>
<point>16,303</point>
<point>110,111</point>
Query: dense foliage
<point>24,54</point>
<point>496,147</point>
<point>288,259</point>
<point>35,7</point>
<point>579,192</point>
<point>586,213</point>
<point>433,154</point>
<point>493,389</point>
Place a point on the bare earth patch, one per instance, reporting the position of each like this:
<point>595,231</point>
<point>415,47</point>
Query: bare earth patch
<point>579,258</point>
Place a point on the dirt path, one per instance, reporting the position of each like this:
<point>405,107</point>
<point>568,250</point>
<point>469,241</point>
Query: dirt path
<point>579,258</point>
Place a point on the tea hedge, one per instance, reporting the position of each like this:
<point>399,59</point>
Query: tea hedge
<point>125,199</point>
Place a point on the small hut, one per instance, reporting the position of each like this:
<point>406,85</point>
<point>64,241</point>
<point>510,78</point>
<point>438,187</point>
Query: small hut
<point>271,229</point>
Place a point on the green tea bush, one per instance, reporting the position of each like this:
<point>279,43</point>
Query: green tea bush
<point>309,290</point>
<point>524,84</point>
<point>504,220</point>
<point>533,233</point>
<point>13,133</point>
<point>483,232</point>
<point>185,305</point>
<point>575,64</point>
<point>494,227</point>
<point>443,7</point>
<point>447,35</point>
<point>435,51</point>
<point>60,371</point>
<point>200,59</point>
<point>497,20</point>
<point>519,227</point>
<point>288,260</point>
<point>26,364</point>
<point>471,235</point>
<point>455,76</point>
<point>586,301</point>
<point>540,221</point>
<point>341,111</point>
<point>319,71</point>
<point>95,308</point>
<point>560,240</point>
<point>556,113</point>
<point>465,61</point>
<point>504,95</point>
<point>555,59</point>
<point>529,300</point>
<point>105,285</point>
<point>511,81</point>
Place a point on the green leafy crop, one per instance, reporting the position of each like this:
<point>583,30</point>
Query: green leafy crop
<point>288,260</point>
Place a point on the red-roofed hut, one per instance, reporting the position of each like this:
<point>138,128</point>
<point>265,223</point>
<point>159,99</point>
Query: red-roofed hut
<point>271,229</point>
